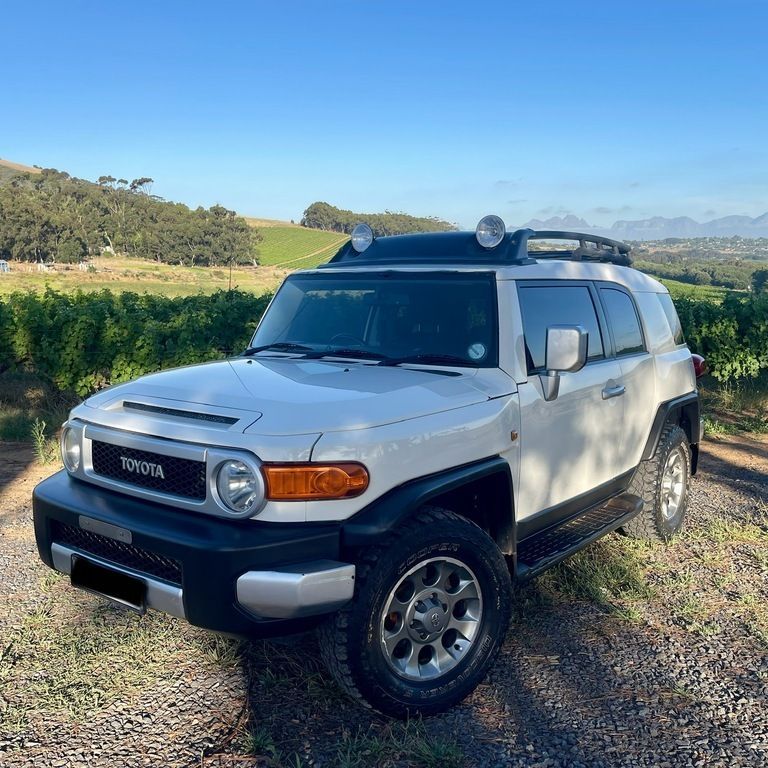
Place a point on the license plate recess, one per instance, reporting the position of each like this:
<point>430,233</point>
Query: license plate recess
<point>119,587</point>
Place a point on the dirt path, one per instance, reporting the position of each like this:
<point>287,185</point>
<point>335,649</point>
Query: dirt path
<point>626,655</point>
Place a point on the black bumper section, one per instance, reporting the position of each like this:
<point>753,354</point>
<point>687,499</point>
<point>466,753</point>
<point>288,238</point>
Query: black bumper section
<point>213,552</point>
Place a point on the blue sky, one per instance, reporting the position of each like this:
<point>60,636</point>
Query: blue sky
<point>605,109</point>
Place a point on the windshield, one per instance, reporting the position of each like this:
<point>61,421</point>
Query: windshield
<point>441,318</point>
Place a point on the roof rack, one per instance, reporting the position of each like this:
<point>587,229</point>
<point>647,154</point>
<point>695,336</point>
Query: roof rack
<point>463,248</point>
<point>591,247</point>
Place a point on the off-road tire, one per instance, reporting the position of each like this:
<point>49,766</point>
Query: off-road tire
<point>350,640</point>
<point>651,523</point>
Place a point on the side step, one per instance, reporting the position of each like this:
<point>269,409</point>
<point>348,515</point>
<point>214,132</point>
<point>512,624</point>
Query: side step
<point>548,547</point>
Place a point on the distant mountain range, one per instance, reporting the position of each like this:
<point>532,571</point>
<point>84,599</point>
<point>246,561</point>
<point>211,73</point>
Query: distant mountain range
<point>659,227</point>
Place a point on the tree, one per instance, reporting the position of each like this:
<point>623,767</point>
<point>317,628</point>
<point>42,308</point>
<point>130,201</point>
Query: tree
<point>142,185</point>
<point>325,216</point>
<point>54,217</point>
<point>759,280</point>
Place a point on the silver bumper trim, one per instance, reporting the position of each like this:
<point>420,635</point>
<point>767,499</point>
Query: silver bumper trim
<point>306,589</point>
<point>160,596</point>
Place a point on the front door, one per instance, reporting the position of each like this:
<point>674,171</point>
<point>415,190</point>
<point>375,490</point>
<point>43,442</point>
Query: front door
<point>570,446</point>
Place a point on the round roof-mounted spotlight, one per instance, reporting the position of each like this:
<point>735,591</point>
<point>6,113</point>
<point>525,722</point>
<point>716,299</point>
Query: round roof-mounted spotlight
<point>490,231</point>
<point>362,237</point>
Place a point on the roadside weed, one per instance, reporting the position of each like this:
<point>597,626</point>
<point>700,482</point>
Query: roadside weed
<point>260,742</point>
<point>45,448</point>
<point>713,428</point>
<point>609,573</point>
<point>406,743</point>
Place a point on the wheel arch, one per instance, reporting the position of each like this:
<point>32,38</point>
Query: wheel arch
<point>686,413</point>
<point>480,492</point>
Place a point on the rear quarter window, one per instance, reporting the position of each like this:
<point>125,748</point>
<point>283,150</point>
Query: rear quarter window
<point>671,314</point>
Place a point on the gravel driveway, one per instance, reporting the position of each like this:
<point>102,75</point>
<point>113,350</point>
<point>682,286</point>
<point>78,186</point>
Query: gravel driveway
<point>626,655</point>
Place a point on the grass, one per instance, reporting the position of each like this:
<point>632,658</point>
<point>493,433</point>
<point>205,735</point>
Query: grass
<point>9,169</point>
<point>259,742</point>
<point>610,572</point>
<point>223,652</point>
<point>283,248</point>
<point>626,577</point>
<point>709,292</point>
<point>292,247</point>
<point>45,447</point>
<point>398,744</point>
<point>733,408</point>
<point>90,659</point>
<point>715,428</point>
<point>715,546</point>
<point>723,531</point>
<point>405,744</point>
<point>25,401</point>
<point>140,276</point>
<point>279,674</point>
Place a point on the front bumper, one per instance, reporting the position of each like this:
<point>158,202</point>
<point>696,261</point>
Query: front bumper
<point>239,577</point>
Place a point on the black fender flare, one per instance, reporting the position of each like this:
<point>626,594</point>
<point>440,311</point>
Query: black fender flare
<point>684,410</point>
<point>372,523</point>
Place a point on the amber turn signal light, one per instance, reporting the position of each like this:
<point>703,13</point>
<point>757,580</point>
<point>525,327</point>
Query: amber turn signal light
<point>314,482</point>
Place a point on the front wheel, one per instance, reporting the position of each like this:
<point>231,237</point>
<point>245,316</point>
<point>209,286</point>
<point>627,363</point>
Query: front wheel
<point>431,610</point>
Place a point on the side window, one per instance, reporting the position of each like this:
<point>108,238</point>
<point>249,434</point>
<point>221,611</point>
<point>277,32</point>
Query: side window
<point>674,321</point>
<point>546,305</point>
<point>623,320</point>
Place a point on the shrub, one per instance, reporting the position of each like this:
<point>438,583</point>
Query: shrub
<point>732,336</point>
<point>86,341</point>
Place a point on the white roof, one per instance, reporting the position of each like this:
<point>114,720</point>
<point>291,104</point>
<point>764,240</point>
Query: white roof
<point>546,269</point>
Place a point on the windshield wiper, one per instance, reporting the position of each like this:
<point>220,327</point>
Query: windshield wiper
<point>345,352</point>
<point>428,359</point>
<point>278,346</point>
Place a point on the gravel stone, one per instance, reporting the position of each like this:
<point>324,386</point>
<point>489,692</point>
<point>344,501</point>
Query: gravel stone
<point>576,686</point>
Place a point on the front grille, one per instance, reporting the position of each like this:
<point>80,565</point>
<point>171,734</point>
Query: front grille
<point>178,477</point>
<point>117,552</point>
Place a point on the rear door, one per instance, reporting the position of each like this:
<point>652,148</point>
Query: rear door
<point>638,371</point>
<point>570,446</point>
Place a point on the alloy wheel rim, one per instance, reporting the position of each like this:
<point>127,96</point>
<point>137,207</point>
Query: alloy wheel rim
<point>673,480</point>
<point>431,619</point>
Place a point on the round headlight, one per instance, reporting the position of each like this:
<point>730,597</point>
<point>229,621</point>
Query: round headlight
<point>362,237</point>
<point>240,488</point>
<point>490,231</point>
<point>70,449</point>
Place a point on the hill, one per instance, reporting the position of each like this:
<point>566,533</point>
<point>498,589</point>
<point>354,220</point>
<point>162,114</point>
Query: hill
<point>257,222</point>
<point>55,217</point>
<point>9,169</point>
<point>294,247</point>
<point>113,214</point>
<point>325,216</point>
<point>660,227</point>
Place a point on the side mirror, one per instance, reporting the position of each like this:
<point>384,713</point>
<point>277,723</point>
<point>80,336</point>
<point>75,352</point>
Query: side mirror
<point>565,352</point>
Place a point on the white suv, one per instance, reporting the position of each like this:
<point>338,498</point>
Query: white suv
<point>416,425</point>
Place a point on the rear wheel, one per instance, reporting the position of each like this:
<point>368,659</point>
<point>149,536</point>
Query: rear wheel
<point>662,482</point>
<point>430,614</point>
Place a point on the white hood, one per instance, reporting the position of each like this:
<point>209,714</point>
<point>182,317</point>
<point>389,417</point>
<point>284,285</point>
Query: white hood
<point>293,396</point>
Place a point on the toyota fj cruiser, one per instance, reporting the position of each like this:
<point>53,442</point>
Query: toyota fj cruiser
<point>416,425</point>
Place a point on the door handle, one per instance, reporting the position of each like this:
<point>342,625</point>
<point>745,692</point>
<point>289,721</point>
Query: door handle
<point>613,391</point>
